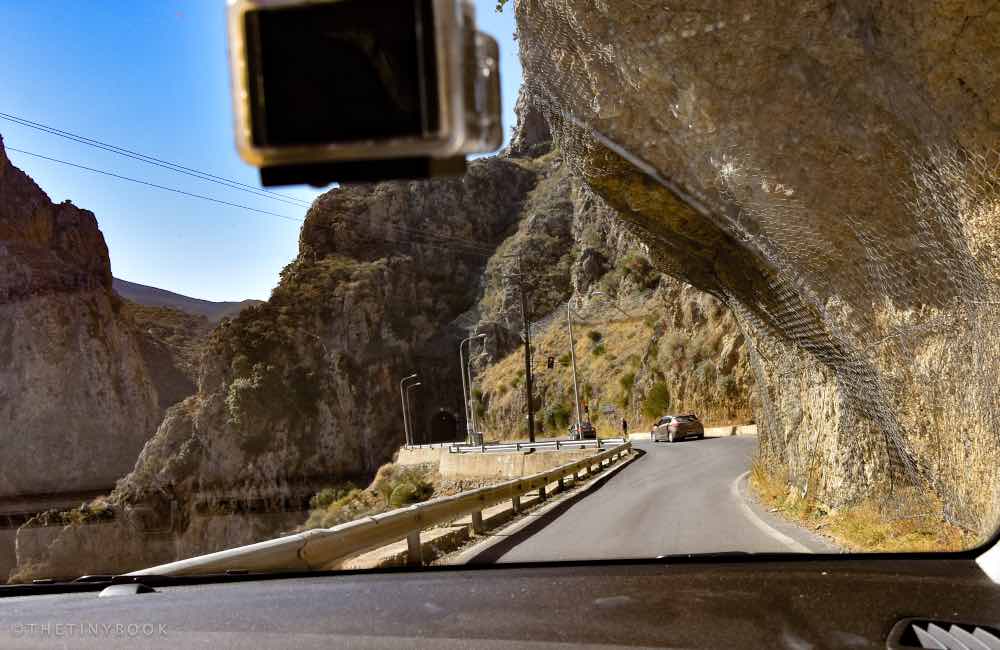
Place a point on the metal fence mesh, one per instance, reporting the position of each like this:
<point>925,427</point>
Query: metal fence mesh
<point>875,330</point>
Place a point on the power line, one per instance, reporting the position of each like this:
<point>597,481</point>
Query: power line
<point>453,244</point>
<point>181,169</point>
<point>162,187</point>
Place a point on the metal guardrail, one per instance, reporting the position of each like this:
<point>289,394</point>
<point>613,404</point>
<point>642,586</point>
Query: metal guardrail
<point>322,547</point>
<point>524,446</point>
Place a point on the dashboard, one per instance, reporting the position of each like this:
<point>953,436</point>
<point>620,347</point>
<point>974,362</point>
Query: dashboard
<point>718,603</point>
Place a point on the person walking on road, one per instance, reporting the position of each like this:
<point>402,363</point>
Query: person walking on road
<point>624,428</point>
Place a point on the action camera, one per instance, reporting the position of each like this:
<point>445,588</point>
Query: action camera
<point>346,90</point>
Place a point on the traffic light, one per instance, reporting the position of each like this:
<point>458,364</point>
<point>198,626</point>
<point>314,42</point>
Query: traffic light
<point>550,362</point>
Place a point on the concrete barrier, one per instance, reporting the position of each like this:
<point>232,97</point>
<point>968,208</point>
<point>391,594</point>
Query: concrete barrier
<point>506,466</point>
<point>710,432</point>
<point>495,465</point>
<point>731,430</point>
<point>419,455</point>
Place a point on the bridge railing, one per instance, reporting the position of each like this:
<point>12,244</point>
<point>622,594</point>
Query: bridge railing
<point>464,448</point>
<point>321,548</point>
<point>524,446</point>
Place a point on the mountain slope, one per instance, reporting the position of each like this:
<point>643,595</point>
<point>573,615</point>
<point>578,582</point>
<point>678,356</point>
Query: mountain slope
<point>154,297</point>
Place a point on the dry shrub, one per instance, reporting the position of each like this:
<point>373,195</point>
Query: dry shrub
<point>911,520</point>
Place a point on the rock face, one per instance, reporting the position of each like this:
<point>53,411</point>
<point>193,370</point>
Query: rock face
<point>646,344</point>
<point>829,172</point>
<point>304,389</point>
<point>74,390</point>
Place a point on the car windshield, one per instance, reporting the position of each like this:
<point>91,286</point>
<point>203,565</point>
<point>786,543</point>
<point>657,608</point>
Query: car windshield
<point>784,220</point>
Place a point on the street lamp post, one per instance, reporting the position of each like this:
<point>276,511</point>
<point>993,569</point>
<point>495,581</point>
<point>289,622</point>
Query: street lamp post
<point>472,407</point>
<point>572,356</point>
<point>413,433</point>
<point>402,398</point>
<point>462,370</point>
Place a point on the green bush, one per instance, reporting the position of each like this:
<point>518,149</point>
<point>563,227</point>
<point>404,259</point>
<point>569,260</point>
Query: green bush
<point>726,384</point>
<point>626,381</point>
<point>673,344</point>
<point>598,350</point>
<point>565,360</point>
<point>557,417</point>
<point>705,372</point>
<point>657,400</point>
<point>410,492</point>
<point>395,484</point>
<point>327,496</point>
<point>641,271</point>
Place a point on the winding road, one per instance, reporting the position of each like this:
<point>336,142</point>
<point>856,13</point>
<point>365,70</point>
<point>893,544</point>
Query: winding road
<point>680,498</point>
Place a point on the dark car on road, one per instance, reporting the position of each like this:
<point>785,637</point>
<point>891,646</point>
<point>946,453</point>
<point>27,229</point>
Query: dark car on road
<point>677,427</point>
<point>586,431</point>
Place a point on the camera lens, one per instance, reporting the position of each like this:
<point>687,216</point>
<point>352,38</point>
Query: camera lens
<point>344,71</point>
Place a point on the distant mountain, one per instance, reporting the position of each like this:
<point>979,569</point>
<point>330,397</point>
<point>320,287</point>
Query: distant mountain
<point>153,297</point>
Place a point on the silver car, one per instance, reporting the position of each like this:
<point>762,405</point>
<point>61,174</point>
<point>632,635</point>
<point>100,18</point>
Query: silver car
<point>677,427</point>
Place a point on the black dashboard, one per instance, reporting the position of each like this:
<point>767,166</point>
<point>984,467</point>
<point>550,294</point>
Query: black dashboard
<point>721,603</point>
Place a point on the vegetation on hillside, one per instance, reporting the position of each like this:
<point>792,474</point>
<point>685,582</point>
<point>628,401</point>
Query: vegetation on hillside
<point>911,521</point>
<point>394,486</point>
<point>679,351</point>
<point>185,334</point>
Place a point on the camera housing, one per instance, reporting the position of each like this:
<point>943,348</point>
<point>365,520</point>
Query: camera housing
<point>344,90</point>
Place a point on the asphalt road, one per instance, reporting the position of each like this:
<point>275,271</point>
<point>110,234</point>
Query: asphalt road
<point>685,497</point>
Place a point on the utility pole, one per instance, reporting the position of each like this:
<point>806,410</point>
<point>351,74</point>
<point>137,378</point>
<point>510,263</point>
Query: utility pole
<point>527,347</point>
<point>572,356</point>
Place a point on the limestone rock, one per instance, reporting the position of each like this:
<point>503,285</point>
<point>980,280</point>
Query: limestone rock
<point>827,170</point>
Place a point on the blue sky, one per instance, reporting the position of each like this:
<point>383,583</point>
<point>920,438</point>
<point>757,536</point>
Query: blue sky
<point>152,77</point>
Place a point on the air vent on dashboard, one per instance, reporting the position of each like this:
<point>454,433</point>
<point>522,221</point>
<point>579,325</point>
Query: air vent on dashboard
<point>923,633</point>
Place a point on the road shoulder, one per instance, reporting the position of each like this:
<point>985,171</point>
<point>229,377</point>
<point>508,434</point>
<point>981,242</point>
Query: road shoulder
<point>796,538</point>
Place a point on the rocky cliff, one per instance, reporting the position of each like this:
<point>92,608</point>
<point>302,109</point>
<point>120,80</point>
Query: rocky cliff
<point>74,390</point>
<point>303,390</point>
<point>828,170</point>
<point>645,343</point>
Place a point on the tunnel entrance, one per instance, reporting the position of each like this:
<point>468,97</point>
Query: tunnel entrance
<point>443,427</point>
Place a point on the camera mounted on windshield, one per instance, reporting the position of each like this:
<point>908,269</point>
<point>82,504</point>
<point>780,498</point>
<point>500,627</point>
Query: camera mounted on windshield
<point>361,90</point>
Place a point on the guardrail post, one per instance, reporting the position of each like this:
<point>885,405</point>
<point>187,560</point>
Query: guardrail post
<point>541,493</point>
<point>414,553</point>
<point>477,522</point>
<point>516,503</point>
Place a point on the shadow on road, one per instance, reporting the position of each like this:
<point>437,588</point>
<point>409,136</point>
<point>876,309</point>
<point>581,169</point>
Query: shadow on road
<point>498,550</point>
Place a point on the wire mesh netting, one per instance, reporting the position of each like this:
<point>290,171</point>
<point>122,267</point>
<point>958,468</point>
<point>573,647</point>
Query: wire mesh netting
<point>844,204</point>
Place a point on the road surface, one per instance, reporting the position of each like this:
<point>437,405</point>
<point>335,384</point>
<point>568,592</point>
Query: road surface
<point>685,497</point>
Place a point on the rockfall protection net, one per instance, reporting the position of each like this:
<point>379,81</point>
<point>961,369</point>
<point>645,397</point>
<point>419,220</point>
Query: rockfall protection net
<point>793,163</point>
